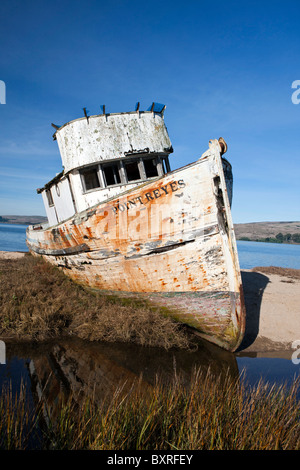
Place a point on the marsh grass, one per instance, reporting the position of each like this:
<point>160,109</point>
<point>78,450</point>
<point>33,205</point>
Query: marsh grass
<point>39,302</point>
<point>206,414</point>
<point>287,272</point>
<point>18,421</point>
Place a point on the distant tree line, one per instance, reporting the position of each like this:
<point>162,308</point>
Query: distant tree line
<point>279,238</point>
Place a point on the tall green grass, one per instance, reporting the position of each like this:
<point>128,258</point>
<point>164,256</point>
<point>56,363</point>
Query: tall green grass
<point>207,413</point>
<point>18,421</point>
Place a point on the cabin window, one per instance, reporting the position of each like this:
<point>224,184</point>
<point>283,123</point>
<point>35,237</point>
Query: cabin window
<point>49,197</point>
<point>150,165</point>
<point>165,165</point>
<point>90,178</point>
<point>132,170</point>
<point>111,174</point>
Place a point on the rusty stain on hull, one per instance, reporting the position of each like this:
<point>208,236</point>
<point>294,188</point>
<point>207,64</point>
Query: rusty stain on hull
<point>170,241</point>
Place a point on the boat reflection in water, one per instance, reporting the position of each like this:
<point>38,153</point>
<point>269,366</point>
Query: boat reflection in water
<point>79,369</point>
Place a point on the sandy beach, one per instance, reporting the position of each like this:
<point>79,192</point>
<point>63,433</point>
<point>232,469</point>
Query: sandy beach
<point>272,306</point>
<point>11,254</point>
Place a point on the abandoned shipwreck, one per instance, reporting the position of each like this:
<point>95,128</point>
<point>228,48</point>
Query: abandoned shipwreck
<point>120,220</point>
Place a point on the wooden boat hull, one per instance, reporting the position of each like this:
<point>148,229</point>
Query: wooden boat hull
<point>170,241</point>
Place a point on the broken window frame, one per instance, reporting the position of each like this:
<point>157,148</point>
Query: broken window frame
<point>84,171</point>
<point>120,172</point>
<point>165,164</point>
<point>142,175</point>
<point>49,198</point>
<point>157,166</point>
<point>115,165</point>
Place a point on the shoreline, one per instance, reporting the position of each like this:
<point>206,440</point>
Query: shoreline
<point>12,254</point>
<point>266,241</point>
<point>272,305</point>
<point>272,309</point>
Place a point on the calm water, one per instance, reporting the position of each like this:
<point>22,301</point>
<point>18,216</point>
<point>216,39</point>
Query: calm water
<point>253,254</point>
<point>12,237</point>
<point>274,369</point>
<point>74,365</point>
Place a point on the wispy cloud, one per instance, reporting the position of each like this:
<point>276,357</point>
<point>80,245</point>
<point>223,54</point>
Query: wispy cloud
<point>30,148</point>
<point>21,173</point>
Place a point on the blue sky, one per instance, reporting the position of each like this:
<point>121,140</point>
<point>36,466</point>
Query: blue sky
<point>222,69</point>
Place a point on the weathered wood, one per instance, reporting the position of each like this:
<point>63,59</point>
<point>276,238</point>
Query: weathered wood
<point>170,241</point>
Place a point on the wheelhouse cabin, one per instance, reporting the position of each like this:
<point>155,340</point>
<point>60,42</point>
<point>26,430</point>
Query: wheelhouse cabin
<point>105,155</point>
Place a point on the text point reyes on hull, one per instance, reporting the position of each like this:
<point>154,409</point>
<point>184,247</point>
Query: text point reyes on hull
<point>120,220</point>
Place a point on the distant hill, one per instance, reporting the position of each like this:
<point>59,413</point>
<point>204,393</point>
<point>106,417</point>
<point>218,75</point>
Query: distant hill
<point>278,232</point>
<point>22,219</point>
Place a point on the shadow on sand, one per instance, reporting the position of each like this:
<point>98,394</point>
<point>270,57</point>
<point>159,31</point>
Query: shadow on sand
<point>254,285</point>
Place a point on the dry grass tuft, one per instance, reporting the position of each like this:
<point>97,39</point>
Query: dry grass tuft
<point>287,272</point>
<point>39,302</point>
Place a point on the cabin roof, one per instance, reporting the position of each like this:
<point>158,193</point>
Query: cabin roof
<point>156,108</point>
<point>54,180</point>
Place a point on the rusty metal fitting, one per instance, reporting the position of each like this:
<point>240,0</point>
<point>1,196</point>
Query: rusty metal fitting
<point>223,145</point>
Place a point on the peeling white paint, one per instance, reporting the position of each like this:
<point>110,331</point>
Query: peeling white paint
<point>170,238</point>
<point>108,137</point>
